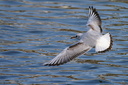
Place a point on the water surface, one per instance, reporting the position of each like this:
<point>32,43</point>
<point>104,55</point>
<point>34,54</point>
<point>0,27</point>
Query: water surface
<point>35,31</point>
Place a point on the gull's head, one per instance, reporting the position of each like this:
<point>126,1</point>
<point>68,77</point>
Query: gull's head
<point>78,36</point>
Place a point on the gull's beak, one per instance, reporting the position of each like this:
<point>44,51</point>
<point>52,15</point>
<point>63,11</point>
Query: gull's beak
<point>73,37</point>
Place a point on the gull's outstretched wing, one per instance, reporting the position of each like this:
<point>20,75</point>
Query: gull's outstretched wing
<point>68,54</point>
<point>94,20</point>
<point>104,43</point>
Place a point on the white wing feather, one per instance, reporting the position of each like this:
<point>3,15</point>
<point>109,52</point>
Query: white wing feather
<point>94,20</point>
<point>68,54</point>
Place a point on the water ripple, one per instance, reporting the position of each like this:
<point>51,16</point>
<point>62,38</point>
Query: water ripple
<point>35,31</point>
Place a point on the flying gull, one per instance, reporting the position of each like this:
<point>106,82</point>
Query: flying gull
<point>92,38</point>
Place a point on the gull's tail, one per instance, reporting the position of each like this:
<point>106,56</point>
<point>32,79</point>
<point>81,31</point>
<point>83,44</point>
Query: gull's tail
<point>104,43</point>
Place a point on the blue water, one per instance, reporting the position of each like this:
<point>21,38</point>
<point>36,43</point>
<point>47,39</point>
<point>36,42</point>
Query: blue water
<point>33,32</point>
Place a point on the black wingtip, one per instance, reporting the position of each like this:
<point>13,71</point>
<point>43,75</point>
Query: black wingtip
<point>90,6</point>
<point>93,11</point>
<point>52,64</point>
<point>49,64</point>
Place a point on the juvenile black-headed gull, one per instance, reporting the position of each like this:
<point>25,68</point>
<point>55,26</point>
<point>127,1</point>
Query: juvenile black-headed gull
<point>92,38</point>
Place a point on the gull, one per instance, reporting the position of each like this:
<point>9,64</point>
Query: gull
<point>92,38</point>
